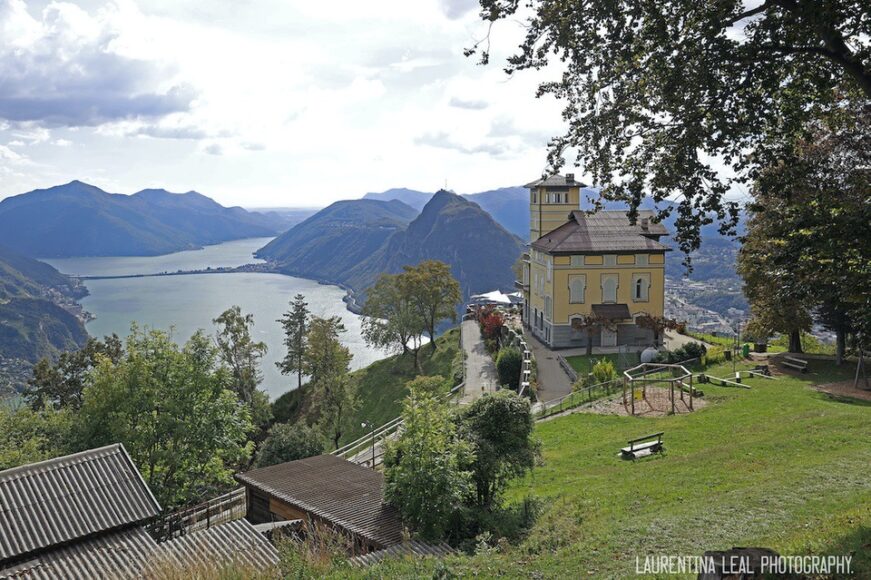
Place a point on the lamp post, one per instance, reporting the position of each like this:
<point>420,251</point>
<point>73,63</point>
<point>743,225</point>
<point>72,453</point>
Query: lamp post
<point>371,426</point>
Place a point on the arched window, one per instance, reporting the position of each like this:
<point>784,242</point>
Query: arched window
<point>640,287</point>
<point>577,288</point>
<point>609,288</point>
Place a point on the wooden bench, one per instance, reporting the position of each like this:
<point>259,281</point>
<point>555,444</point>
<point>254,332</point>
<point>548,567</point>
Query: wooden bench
<point>762,370</point>
<point>795,363</point>
<point>643,446</point>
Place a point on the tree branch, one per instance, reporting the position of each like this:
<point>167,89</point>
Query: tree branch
<point>753,12</point>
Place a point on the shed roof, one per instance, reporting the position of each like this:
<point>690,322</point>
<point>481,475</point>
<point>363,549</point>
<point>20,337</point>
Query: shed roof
<point>64,499</point>
<point>414,548</point>
<point>603,232</point>
<point>234,542</point>
<point>133,553</point>
<point>334,489</point>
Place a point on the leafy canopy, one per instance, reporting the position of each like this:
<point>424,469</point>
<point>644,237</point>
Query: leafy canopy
<point>658,95</point>
<point>174,411</point>
<point>289,442</point>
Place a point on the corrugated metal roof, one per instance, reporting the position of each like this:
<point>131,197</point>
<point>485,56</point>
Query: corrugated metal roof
<point>56,501</point>
<point>133,554</point>
<point>335,490</point>
<point>602,232</point>
<point>412,548</point>
<point>555,181</point>
<point>115,555</point>
<point>235,542</point>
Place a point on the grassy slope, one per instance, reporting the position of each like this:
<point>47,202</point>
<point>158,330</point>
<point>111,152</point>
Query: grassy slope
<point>381,385</point>
<point>780,465</point>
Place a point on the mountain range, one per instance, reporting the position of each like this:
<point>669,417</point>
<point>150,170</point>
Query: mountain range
<point>510,207</point>
<point>367,237</point>
<point>77,219</point>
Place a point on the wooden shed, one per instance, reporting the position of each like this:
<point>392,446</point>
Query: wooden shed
<point>325,490</point>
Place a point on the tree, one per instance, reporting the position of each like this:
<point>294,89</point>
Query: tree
<point>295,324</point>
<point>657,94</point>
<point>658,324</point>
<point>802,254</point>
<point>499,428</point>
<point>28,435</point>
<point>509,363</point>
<point>173,410</point>
<point>391,318</point>
<point>289,442</point>
<point>434,293</point>
<point>61,384</point>
<point>327,363</point>
<point>240,352</point>
<point>591,324</point>
<point>424,477</point>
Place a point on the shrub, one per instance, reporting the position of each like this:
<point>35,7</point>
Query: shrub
<point>693,350</point>
<point>604,371</point>
<point>289,442</point>
<point>509,363</point>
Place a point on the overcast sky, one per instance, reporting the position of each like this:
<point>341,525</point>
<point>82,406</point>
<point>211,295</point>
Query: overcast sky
<point>263,102</point>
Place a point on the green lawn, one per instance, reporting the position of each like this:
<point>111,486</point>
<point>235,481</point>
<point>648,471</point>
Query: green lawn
<point>780,465</point>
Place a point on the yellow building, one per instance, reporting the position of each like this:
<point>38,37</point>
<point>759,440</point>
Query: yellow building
<point>595,268</point>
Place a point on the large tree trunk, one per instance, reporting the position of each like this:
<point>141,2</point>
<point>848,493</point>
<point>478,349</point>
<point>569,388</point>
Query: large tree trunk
<point>840,345</point>
<point>795,341</point>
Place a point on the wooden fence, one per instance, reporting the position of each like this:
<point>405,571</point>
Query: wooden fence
<point>228,507</point>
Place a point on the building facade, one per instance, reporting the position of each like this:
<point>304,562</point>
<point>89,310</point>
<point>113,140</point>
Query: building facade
<point>589,278</point>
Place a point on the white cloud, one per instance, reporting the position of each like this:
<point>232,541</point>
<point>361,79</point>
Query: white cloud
<point>254,102</point>
<point>65,69</point>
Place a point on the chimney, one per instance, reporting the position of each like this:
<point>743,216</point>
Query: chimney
<point>570,177</point>
<point>645,223</point>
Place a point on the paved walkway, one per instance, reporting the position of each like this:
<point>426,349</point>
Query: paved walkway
<point>480,371</point>
<point>553,382</point>
<point>675,340</point>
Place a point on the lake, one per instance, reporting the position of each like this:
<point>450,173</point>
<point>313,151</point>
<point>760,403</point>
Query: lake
<point>191,302</point>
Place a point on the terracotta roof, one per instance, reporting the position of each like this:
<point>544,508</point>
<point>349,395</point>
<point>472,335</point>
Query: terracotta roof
<point>64,499</point>
<point>335,490</point>
<point>611,311</point>
<point>603,232</point>
<point>555,181</point>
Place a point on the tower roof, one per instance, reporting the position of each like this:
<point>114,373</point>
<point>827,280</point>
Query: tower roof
<point>556,181</point>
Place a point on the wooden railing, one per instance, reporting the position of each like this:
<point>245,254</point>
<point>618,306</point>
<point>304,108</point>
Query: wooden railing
<point>228,507</point>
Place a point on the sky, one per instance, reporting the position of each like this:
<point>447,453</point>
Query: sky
<point>264,103</point>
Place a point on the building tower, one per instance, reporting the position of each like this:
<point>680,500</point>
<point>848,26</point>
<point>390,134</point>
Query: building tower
<point>551,200</point>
